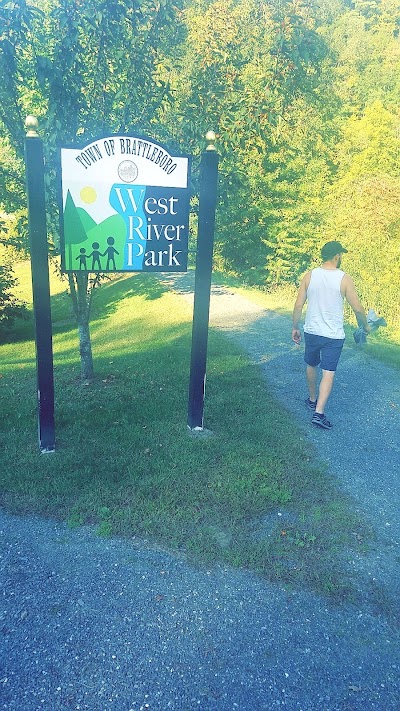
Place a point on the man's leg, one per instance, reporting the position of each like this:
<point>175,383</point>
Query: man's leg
<point>330,354</point>
<point>325,388</point>
<point>312,377</point>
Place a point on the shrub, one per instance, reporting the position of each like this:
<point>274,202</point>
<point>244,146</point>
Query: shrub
<point>10,306</point>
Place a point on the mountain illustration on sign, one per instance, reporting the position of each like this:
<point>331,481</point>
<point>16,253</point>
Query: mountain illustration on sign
<point>95,241</point>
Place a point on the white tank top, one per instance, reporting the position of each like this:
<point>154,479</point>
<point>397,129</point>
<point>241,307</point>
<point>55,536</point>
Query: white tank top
<point>324,315</point>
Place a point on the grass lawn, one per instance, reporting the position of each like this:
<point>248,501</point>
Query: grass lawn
<point>252,495</point>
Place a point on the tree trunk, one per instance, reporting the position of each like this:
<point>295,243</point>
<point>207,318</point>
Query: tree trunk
<point>85,351</point>
<point>81,294</point>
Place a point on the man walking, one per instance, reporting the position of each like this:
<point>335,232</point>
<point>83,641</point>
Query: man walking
<point>324,289</point>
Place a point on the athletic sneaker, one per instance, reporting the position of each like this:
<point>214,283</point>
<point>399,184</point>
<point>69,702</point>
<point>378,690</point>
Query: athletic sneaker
<point>321,421</point>
<point>310,404</point>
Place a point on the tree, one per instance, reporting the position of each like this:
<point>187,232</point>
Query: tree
<point>11,308</point>
<point>253,72</point>
<point>83,68</point>
<point>304,98</point>
<point>363,207</point>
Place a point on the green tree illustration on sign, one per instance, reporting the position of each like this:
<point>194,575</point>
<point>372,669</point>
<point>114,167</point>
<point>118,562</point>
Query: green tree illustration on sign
<point>74,231</point>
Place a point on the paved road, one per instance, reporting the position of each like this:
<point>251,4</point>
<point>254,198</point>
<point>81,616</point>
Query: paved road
<point>102,625</point>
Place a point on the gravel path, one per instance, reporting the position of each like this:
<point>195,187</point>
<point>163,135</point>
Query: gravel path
<point>111,626</point>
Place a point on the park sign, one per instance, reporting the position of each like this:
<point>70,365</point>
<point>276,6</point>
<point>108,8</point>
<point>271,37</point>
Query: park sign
<point>136,199</point>
<point>142,200</point>
<point>125,207</point>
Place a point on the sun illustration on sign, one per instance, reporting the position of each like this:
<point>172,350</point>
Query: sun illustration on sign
<point>88,194</point>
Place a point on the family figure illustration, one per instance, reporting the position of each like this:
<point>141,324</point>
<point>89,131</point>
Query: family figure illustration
<point>95,256</point>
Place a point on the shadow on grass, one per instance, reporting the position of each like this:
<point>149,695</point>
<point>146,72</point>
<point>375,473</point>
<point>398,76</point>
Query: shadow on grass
<point>109,293</point>
<point>21,330</point>
<point>106,298</point>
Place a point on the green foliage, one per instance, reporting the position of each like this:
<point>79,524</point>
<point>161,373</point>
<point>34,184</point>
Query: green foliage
<point>83,69</point>
<point>11,308</point>
<point>304,98</point>
<point>253,79</point>
<point>363,207</point>
<point>305,103</point>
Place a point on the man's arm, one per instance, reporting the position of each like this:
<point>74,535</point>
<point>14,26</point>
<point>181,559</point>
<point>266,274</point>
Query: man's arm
<point>349,292</point>
<point>298,307</point>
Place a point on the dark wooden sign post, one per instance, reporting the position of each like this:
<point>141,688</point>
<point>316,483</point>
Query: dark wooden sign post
<point>40,285</point>
<point>202,289</point>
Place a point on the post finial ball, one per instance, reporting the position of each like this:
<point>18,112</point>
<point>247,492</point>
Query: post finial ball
<point>210,138</point>
<point>31,125</point>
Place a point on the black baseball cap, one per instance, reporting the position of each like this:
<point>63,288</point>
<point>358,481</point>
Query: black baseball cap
<point>330,249</point>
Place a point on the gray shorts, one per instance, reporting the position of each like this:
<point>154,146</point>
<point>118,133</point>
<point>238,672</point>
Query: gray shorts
<point>322,350</point>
